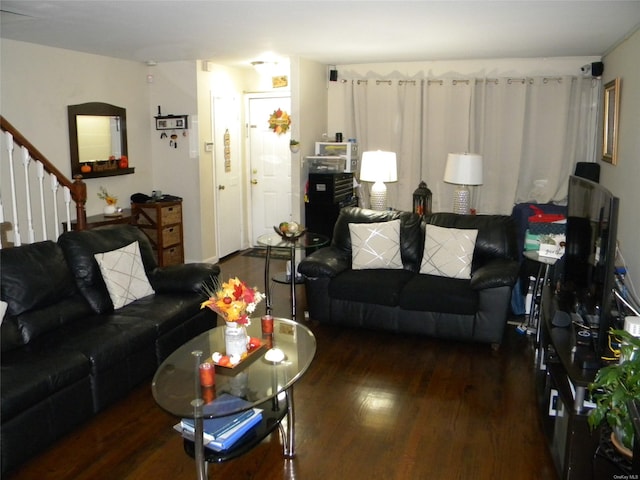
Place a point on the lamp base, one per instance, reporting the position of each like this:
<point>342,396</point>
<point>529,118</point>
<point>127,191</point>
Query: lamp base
<point>461,198</point>
<point>378,196</point>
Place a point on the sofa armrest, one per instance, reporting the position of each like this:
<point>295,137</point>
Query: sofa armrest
<point>187,277</point>
<point>326,262</point>
<point>497,273</point>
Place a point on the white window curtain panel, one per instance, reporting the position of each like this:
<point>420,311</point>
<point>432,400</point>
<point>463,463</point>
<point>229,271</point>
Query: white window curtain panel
<point>530,132</point>
<point>386,114</point>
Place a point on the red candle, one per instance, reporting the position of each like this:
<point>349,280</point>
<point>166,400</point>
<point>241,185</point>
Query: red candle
<point>267,324</point>
<point>208,394</point>
<point>207,375</point>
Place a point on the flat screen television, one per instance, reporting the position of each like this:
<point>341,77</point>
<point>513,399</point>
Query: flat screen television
<point>590,254</point>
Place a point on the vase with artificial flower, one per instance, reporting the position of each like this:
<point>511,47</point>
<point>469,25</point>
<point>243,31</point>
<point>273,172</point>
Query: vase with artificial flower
<point>233,300</point>
<point>112,201</point>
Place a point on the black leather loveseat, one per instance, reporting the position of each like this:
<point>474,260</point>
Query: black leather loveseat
<point>405,300</point>
<point>66,353</point>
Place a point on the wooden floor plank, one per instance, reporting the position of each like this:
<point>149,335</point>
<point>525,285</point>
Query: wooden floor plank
<point>373,405</point>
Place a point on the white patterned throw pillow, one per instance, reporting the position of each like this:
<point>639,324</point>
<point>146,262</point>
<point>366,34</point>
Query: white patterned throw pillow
<point>375,245</point>
<point>124,275</point>
<point>448,252</point>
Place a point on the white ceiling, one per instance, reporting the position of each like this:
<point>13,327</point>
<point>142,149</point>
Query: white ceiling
<point>330,32</point>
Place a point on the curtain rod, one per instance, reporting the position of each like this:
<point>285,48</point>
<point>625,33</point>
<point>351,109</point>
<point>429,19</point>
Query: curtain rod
<point>464,81</point>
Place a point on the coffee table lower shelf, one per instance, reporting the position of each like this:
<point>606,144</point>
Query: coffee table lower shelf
<point>271,419</point>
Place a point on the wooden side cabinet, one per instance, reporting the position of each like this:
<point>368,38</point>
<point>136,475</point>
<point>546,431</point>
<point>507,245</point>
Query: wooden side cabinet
<point>162,223</point>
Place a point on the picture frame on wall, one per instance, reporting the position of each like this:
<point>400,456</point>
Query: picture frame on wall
<point>171,122</point>
<point>610,122</point>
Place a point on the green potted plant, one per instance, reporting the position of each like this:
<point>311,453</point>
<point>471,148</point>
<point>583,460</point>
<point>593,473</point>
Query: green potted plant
<point>614,387</point>
<point>294,145</point>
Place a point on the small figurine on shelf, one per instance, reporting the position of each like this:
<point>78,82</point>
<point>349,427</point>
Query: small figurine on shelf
<point>111,207</point>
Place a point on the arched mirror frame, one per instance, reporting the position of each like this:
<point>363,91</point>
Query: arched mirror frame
<point>96,109</point>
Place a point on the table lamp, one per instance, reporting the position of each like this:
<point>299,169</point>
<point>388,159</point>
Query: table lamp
<point>463,169</point>
<point>378,167</point>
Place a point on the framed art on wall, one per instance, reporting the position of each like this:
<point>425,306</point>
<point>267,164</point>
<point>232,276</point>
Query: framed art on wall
<point>610,122</point>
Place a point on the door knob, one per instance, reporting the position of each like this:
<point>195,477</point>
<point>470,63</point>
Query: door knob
<point>254,182</point>
<point>220,187</point>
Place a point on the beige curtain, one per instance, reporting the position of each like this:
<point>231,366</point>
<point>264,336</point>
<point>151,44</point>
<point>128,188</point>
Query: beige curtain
<point>530,132</point>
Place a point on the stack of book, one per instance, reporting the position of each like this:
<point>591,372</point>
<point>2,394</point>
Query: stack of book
<point>222,432</point>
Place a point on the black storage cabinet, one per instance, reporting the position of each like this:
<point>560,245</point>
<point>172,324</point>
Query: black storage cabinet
<point>327,194</point>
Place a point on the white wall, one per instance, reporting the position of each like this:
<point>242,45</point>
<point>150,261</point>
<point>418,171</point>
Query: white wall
<point>36,85</point>
<point>175,169</point>
<point>623,178</point>
<point>309,106</point>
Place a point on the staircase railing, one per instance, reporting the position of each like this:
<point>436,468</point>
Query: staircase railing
<point>28,200</point>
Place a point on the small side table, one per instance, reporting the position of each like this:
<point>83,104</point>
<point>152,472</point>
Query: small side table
<point>545,264</point>
<point>273,240</point>
<point>124,217</point>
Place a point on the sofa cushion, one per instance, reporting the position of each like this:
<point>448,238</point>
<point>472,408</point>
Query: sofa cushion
<point>79,248</point>
<point>430,293</point>
<point>10,338</point>
<point>31,375</point>
<point>379,286</point>
<point>448,252</point>
<point>34,276</point>
<point>124,275</point>
<point>375,245</point>
<point>411,235</point>
<point>35,323</point>
<point>496,235</point>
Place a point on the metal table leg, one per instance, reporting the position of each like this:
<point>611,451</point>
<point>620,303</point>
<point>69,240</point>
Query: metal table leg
<point>293,280</point>
<point>267,283</point>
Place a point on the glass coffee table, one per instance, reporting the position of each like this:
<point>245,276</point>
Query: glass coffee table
<point>264,384</point>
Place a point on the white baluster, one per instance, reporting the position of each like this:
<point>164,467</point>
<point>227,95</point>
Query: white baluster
<point>67,203</point>
<point>26,160</point>
<point>1,219</point>
<point>40,175</point>
<point>54,191</point>
<point>17,241</point>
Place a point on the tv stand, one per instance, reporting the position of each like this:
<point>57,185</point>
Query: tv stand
<point>562,390</point>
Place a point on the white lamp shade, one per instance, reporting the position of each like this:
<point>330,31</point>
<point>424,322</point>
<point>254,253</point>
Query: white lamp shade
<point>379,166</point>
<point>463,169</point>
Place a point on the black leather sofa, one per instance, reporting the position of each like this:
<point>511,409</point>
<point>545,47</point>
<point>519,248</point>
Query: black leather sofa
<point>66,353</point>
<point>404,300</point>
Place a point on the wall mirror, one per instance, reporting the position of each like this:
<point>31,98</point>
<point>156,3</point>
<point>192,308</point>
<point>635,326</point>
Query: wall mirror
<point>98,140</point>
<point>610,122</point>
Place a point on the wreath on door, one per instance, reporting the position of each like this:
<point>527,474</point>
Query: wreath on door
<point>279,122</point>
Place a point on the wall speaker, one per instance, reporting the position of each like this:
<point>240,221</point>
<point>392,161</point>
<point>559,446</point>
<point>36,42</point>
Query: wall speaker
<point>333,75</point>
<point>596,69</point>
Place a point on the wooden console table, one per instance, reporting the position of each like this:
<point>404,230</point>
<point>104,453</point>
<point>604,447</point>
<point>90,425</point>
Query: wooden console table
<point>100,220</point>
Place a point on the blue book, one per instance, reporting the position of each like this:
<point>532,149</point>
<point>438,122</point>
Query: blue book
<point>222,432</point>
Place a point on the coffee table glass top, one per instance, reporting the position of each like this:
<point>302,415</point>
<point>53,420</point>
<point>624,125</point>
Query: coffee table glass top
<point>176,385</point>
<point>307,240</point>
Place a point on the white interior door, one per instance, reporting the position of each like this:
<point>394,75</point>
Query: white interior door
<point>227,158</point>
<point>270,166</point>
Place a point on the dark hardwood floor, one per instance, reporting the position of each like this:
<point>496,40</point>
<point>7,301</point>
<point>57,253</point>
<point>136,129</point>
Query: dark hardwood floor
<point>372,405</point>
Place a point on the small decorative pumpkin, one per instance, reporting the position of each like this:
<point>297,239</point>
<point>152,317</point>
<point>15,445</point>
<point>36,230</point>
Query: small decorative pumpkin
<point>124,162</point>
<point>85,168</point>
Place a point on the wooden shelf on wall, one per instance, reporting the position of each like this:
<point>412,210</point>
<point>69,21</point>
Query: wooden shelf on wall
<point>107,173</point>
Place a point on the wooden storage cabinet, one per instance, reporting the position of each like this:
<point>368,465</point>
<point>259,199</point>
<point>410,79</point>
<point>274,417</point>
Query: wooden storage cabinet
<point>162,223</point>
